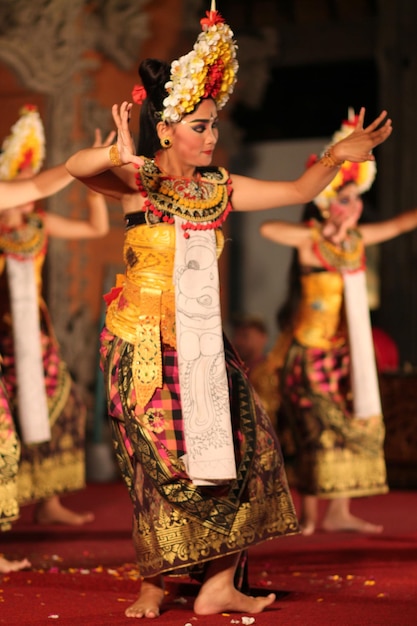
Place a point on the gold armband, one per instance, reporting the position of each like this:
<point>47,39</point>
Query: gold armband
<point>329,160</point>
<point>115,156</point>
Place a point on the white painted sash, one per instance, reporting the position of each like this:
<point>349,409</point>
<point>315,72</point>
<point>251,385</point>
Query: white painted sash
<point>201,360</point>
<point>31,393</point>
<point>365,386</point>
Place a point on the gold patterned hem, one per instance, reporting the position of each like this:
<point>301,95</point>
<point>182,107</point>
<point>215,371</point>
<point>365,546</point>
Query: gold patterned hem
<point>181,542</point>
<point>176,570</point>
<point>51,476</point>
<point>357,493</point>
<point>9,508</point>
<point>342,473</point>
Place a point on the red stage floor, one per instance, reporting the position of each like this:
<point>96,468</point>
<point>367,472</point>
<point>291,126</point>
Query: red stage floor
<point>86,576</point>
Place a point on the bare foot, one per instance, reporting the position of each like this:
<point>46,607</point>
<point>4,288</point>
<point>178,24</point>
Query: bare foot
<point>149,601</point>
<point>309,514</point>
<point>350,523</point>
<point>52,511</point>
<point>211,602</point>
<point>7,566</point>
<point>307,528</point>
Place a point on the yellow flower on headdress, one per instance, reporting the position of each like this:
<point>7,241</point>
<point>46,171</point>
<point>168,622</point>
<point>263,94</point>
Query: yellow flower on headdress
<point>24,146</point>
<point>362,174</point>
<point>209,70</point>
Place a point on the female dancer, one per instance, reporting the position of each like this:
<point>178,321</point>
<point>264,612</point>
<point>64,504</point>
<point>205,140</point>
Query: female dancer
<point>52,429</point>
<point>13,193</point>
<point>198,453</point>
<point>329,387</point>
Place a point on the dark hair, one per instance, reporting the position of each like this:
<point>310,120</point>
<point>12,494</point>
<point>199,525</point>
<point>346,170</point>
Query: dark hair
<point>249,321</point>
<point>288,310</point>
<point>154,74</point>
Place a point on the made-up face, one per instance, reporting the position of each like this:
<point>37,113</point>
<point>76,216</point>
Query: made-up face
<point>195,136</point>
<point>347,206</point>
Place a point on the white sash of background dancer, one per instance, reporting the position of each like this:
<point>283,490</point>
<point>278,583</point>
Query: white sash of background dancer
<point>201,361</point>
<point>365,386</point>
<point>32,403</point>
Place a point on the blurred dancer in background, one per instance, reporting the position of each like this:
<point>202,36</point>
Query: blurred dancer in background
<point>48,413</point>
<point>325,354</point>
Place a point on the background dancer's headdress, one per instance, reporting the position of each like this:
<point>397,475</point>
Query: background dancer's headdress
<point>208,71</point>
<point>362,174</point>
<point>25,146</point>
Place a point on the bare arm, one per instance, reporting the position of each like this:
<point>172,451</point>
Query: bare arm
<point>97,224</point>
<point>17,192</point>
<point>253,194</point>
<point>388,229</point>
<point>286,233</point>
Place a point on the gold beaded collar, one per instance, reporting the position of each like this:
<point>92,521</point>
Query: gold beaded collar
<point>26,241</point>
<point>349,256</point>
<point>203,202</point>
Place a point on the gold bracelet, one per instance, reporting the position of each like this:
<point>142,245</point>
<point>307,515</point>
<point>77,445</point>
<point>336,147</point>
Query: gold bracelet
<point>329,160</point>
<point>115,156</point>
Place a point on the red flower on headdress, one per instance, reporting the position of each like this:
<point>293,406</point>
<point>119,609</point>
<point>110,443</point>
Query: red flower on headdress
<point>213,18</point>
<point>138,94</point>
<point>351,123</point>
<point>350,172</point>
<point>27,158</point>
<point>313,158</point>
<point>214,79</point>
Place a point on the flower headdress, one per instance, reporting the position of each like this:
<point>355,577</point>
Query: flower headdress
<point>24,146</point>
<point>362,174</point>
<point>208,71</point>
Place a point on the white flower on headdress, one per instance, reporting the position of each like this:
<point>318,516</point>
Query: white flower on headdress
<point>24,146</point>
<point>362,174</point>
<point>208,70</point>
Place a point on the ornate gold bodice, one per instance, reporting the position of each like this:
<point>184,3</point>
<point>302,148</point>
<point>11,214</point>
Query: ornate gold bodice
<point>147,288</point>
<point>142,306</point>
<point>320,321</point>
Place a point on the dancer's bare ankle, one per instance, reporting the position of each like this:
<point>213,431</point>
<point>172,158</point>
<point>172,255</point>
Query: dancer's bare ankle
<point>52,511</point>
<point>307,527</point>
<point>350,523</point>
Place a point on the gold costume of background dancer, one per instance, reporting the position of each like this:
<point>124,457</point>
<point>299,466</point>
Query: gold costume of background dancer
<point>54,464</point>
<point>12,193</point>
<point>329,384</point>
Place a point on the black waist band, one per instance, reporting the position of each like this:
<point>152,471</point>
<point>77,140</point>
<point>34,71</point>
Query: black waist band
<point>135,219</point>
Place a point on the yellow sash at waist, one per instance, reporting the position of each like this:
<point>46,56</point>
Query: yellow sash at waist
<point>319,318</point>
<point>142,311</point>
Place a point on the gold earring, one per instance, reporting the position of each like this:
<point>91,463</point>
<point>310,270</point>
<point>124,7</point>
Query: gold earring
<point>166,142</point>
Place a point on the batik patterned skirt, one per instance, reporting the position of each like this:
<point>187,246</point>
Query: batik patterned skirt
<point>57,466</point>
<point>178,527</point>
<point>337,454</point>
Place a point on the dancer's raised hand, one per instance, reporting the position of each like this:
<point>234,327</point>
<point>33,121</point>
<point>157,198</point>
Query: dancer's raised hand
<point>125,145</point>
<point>357,146</point>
